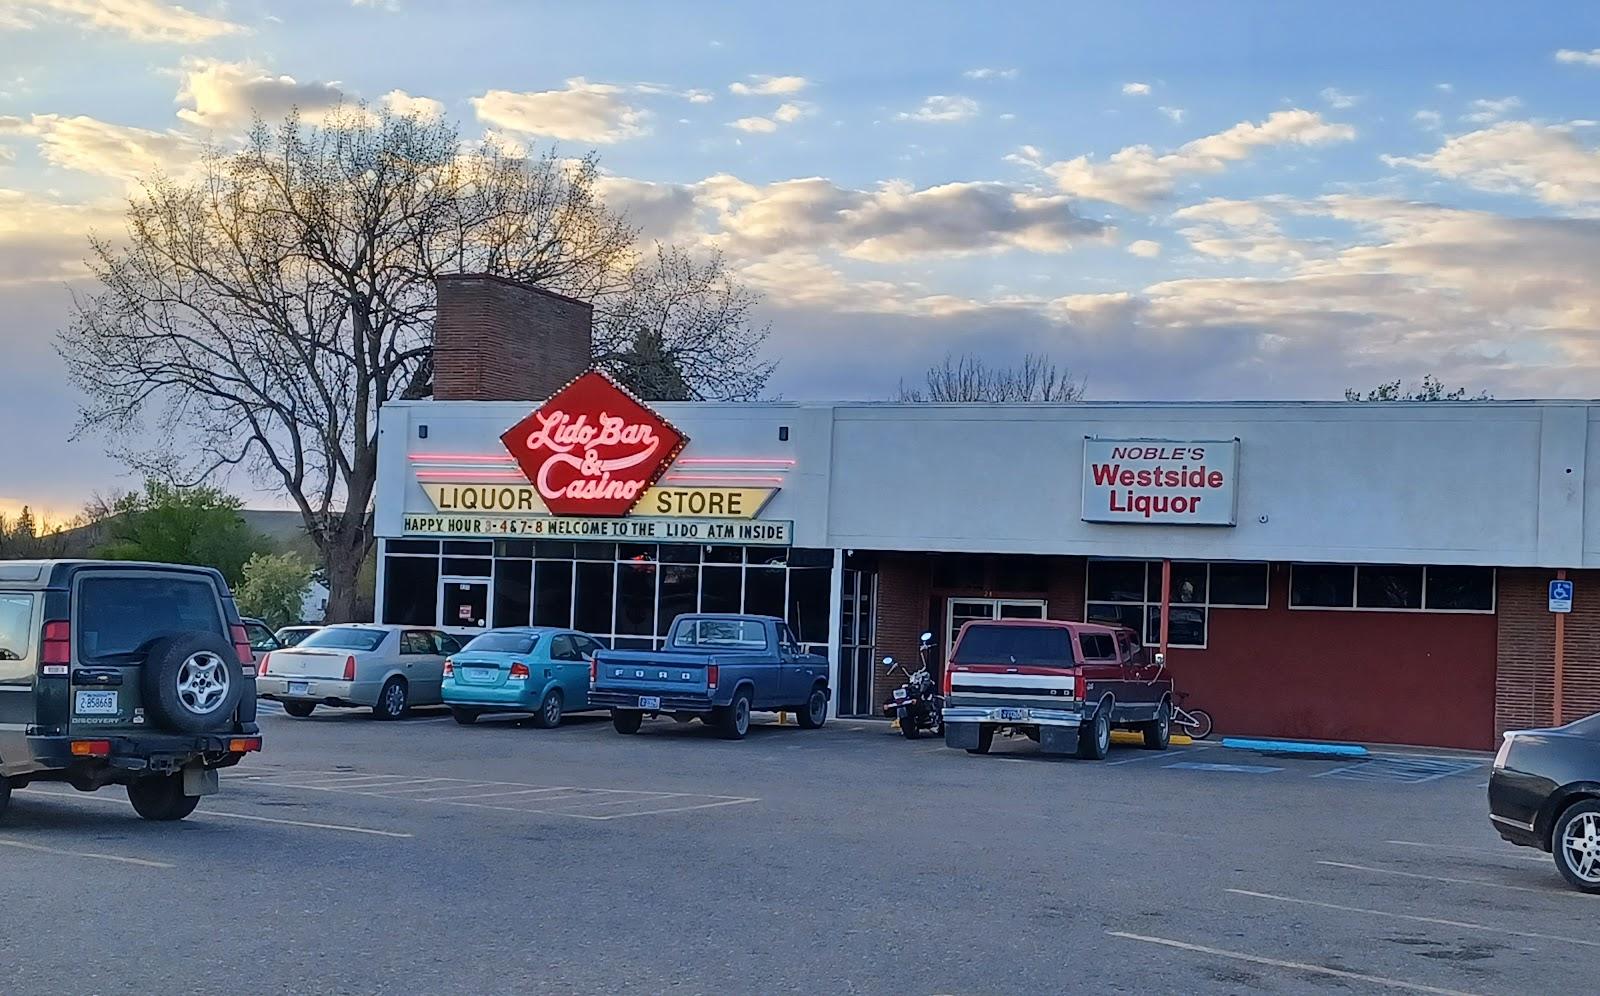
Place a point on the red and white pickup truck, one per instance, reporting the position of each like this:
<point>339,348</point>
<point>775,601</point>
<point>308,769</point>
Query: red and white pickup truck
<point>1064,685</point>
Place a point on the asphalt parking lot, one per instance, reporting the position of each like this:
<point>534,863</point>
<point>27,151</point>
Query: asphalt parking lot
<point>419,856</point>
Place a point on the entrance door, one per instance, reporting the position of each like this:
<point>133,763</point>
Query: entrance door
<point>963,610</point>
<point>464,603</point>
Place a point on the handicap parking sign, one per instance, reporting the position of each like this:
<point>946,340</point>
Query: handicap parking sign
<point>1561,596</point>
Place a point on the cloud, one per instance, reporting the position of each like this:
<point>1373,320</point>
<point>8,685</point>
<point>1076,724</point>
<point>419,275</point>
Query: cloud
<point>404,104</point>
<point>1518,157</point>
<point>1428,119</point>
<point>1145,249</point>
<point>387,6</point>
<point>1485,111</point>
<point>1136,89</point>
<point>792,111</point>
<point>755,125</point>
<point>1589,58</point>
<point>88,145</point>
<point>1339,100</point>
<point>1174,114</point>
<point>139,20</point>
<point>940,109</point>
<point>769,86</point>
<point>43,239</point>
<point>226,95</point>
<point>1138,177</point>
<point>1240,230</point>
<point>580,112</point>
<point>699,97</point>
<point>990,74</point>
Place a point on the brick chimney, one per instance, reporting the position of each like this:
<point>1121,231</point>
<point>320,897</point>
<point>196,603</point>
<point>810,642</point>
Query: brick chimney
<point>500,340</point>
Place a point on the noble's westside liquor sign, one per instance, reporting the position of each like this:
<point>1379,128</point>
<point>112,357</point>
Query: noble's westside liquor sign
<point>1161,481</point>
<point>592,456</point>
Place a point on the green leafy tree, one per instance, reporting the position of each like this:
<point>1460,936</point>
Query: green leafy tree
<point>274,588</point>
<point>1431,389</point>
<point>23,536</point>
<point>176,525</point>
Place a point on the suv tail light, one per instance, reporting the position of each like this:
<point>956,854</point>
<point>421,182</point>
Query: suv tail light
<point>1080,688</point>
<point>266,662</point>
<point>449,667</point>
<point>350,668</point>
<point>712,673</point>
<point>241,646</point>
<point>947,681</point>
<point>519,671</point>
<point>55,653</point>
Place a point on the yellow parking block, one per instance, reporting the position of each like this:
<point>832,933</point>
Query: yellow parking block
<point>1133,739</point>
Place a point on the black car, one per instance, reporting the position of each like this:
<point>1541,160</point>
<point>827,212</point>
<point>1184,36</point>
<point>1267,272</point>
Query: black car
<point>122,674</point>
<point>1545,793</point>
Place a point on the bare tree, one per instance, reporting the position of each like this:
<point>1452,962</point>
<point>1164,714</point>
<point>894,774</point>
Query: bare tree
<point>968,379</point>
<point>260,317</point>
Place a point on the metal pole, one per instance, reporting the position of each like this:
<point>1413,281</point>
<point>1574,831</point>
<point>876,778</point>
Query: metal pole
<point>1166,601</point>
<point>835,625</point>
<point>1561,648</point>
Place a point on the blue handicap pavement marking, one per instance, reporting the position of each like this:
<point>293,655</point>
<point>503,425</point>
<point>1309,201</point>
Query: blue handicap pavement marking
<point>1404,770</point>
<point>1243,769</point>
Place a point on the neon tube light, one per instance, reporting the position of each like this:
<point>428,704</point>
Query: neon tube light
<point>458,458</point>
<point>453,476</point>
<point>752,461</point>
<point>725,478</point>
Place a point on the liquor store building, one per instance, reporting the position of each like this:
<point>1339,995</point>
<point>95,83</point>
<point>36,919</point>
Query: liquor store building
<point>1371,572</point>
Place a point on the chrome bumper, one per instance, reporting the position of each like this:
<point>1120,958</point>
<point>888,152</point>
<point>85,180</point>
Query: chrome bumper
<point>1014,716</point>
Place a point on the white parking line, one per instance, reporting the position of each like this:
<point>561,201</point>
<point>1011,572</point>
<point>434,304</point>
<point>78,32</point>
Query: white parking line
<point>338,781</point>
<point>675,809</point>
<point>396,790</point>
<point>23,845</point>
<point>1296,966</point>
<point>204,814</point>
<point>1462,924</point>
<point>1454,881</point>
<point>1497,852</point>
<point>497,795</point>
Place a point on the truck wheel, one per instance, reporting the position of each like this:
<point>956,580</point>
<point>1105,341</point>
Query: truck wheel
<point>463,715</point>
<point>393,700</point>
<point>1094,737</point>
<point>1158,732</point>
<point>735,720</point>
<point>5,795</point>
<point>161,798</point>
<point>299,710</point>
<point>626,720</point>
<point>985,739</point>
<point>549,715</point>
<point>815,712</point>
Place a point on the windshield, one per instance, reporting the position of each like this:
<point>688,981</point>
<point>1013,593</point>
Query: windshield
<point>291,637</point>
<point>503,643</point>
<point>734,634</point>
<point>346,638</point>
<point>1040,646</point>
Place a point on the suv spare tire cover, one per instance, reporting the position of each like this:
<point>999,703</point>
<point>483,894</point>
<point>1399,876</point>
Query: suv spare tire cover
<point>200,706</point>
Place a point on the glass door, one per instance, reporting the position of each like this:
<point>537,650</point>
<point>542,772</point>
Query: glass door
<point>963,610</point>
<point>463,603</point>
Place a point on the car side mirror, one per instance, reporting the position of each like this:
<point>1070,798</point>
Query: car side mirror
<point>1161,660</point>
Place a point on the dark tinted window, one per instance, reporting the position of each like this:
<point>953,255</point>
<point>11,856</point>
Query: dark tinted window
<point>1322,585</point>
<point>593,600</point>
<point>562,649</point>
<point>120,615</point>
<point>1461,588</point>
<point>444,643</point>
<point>416,641</point>
<point>411,590</point>
<point>764,591</point>
<point>346,638</point>
<point>1097,646</point>
<point>1239,584</point>
<point>513,592</point>
<point>586,646</point>
<point>503,643</point>
<point>261,637</point>
<point>1116,580</point>
<point>1049,646</point>
<point>1389,587</point>
<point>636,598</point>
<point>552,593</point>
<point>16,626</point>
<point>293,637</point>
<point>680,593</point>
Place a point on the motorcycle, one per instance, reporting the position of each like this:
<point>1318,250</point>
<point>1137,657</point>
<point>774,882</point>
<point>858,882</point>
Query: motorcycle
<point>918,703</point>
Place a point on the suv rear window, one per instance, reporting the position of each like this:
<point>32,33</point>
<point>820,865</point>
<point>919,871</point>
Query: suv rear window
<point>346,638</point>
<point>119,615</point>
<point>1040,646</point>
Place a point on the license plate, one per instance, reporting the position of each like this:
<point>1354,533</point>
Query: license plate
<point>96,704</point>
<point>649,701</point>
<point>299,688</point>
<point>480,674</point>
<point>899,693</point>
<point>1014,714</point>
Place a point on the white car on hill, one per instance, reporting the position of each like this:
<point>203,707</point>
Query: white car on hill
<point>389,668</point>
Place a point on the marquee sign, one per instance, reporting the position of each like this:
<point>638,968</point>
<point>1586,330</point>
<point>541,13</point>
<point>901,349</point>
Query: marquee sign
<point>593,449</point>
<point>1161,481</point>
<point>670,502</point>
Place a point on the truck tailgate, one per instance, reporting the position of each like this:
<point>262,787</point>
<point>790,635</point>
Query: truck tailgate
<point>665,675</point>
<point>992,685</point>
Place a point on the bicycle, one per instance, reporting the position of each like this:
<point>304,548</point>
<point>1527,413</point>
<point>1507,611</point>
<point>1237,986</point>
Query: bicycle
<point>1194,724</point>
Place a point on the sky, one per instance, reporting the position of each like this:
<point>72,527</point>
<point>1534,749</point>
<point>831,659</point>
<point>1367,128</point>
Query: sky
<point>1176,201</point>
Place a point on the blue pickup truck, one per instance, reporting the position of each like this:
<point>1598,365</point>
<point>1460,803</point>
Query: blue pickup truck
<point>717,668</point>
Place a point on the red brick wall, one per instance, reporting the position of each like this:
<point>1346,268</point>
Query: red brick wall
<point>1525,693</point>
<point>1379,677</point>
<point>499,340</point>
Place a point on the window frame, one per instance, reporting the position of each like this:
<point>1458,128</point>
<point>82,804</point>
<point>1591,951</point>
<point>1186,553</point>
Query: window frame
<point>1355,595</point>
<point>1147,604</point>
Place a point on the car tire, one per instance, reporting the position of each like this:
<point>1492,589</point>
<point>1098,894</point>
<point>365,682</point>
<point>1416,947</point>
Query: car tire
<point>985,739</point>
<point>549,715</point>
<point>814,713</point>
<point>191,682</point>
<point>1582,821</point>
<point>5,795</point>
<point>734,722</point>
<point>463,715</point>
<point>626,721</point>
<point>394,700</point>
<point>908,726</point>
<point>160,798</point>
<point>1158,732</point>
<point>1094,737</point>
<point>299,710</point>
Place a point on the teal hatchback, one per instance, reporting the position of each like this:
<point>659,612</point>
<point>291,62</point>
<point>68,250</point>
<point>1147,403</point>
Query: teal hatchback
<point>528,669</point>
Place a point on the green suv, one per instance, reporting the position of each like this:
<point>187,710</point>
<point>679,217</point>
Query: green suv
<point>122,674</point>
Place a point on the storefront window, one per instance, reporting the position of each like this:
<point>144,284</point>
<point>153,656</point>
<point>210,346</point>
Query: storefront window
<point>636,599</point>
<point>552,593</point>
<point>1391,587</point>
<point>1128,593</point>
<point>591,603</point>
<point>411,591</point>
<point>513,592</point>
<point>810,597</point>
<point>721,588</point>
<point>764,590</point>
<point>1460,589</point>
<point>680,592</point>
